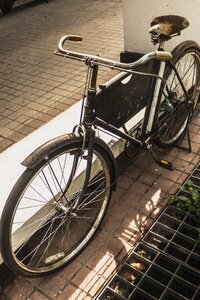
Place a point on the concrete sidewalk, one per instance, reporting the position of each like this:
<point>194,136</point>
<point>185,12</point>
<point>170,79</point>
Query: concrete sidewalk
<point>35,86</point>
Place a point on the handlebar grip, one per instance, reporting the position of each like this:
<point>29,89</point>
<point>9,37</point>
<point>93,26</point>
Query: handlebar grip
<point>163,55</point>
<point>75,38</point>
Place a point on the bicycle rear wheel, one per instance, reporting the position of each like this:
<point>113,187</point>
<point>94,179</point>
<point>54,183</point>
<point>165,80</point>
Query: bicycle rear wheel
<point>48,219</point>
<point>174,109</point>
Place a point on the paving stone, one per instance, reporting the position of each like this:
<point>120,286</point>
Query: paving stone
<point>110,223</point>
<point>110,268</point>
<point>129,199</point>
<point>16,136</point>
<point>118,211</point>
<point>83,278</point>
<point>124,182</point>
<point>98,260</point>
<point>172,175</point>
<point>139,188</point>
<point>5,143</point>
<point>19,290</point>
<point>87,253</point>
<point>71,270</point>
<point>35,123</point>
<point>116,195</point>
<point>37,295</point>
<point>112,244</point>
<point>24,129</point>
<point>70,292</point>
<point>163,184</point>
<point>174,188</point>
<point>147,178</point>
<point>96,284</point>
<point>52,285</point>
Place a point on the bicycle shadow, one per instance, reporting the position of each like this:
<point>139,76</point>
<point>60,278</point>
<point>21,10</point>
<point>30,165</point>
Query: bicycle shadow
<point>6,278</point>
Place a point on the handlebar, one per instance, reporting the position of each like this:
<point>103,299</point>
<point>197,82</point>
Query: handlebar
<point>96,60</point>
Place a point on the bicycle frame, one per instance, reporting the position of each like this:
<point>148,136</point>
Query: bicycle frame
<point>147,134</point>
<point>88,116</point>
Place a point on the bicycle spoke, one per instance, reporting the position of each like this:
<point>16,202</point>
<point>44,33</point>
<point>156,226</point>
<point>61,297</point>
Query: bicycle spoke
<point>45,238</point>
<point>57,211</point>
<point>41,225</point>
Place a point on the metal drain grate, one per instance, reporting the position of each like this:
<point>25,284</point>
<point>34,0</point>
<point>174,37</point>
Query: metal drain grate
<point>165,263</point>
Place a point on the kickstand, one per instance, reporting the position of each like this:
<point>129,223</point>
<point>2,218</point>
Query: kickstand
<point>189,148</point>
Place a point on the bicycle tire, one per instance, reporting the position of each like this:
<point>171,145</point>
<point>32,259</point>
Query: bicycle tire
<point>51,226</point>
<point>173,109</point>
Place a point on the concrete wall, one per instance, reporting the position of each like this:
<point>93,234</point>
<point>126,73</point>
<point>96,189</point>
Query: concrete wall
<point>139,13</point>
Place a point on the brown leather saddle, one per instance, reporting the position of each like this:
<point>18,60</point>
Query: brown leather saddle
<point>169,25</point>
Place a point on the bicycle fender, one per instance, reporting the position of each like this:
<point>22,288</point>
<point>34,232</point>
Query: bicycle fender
<point>33,159</point>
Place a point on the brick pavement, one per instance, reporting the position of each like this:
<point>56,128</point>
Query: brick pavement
<point>143,190</point>
<point>36,85</point>
<point>33,90</point>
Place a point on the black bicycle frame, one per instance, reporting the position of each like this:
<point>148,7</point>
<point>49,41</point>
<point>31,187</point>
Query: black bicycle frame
<point>90,118</point>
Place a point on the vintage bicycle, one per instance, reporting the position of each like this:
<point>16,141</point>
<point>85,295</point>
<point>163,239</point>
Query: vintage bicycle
<point>60,200</point>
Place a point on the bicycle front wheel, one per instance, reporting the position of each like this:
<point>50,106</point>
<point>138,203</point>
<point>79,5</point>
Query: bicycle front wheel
<point>48,218</point>
<point>174,109</point>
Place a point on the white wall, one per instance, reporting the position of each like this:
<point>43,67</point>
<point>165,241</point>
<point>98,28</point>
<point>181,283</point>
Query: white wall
<point>139,13</point>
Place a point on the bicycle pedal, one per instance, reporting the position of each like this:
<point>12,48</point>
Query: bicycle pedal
<point>165,164</point>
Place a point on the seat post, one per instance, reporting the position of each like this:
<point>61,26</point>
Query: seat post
<point>161,46</point>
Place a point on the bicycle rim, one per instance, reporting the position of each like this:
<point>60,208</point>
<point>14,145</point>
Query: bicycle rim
<point>174,111</point>
<point>51,223</point>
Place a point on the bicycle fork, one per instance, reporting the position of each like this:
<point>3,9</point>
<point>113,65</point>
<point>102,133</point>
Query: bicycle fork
<point>88,132</point>
<point>88,159</point>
